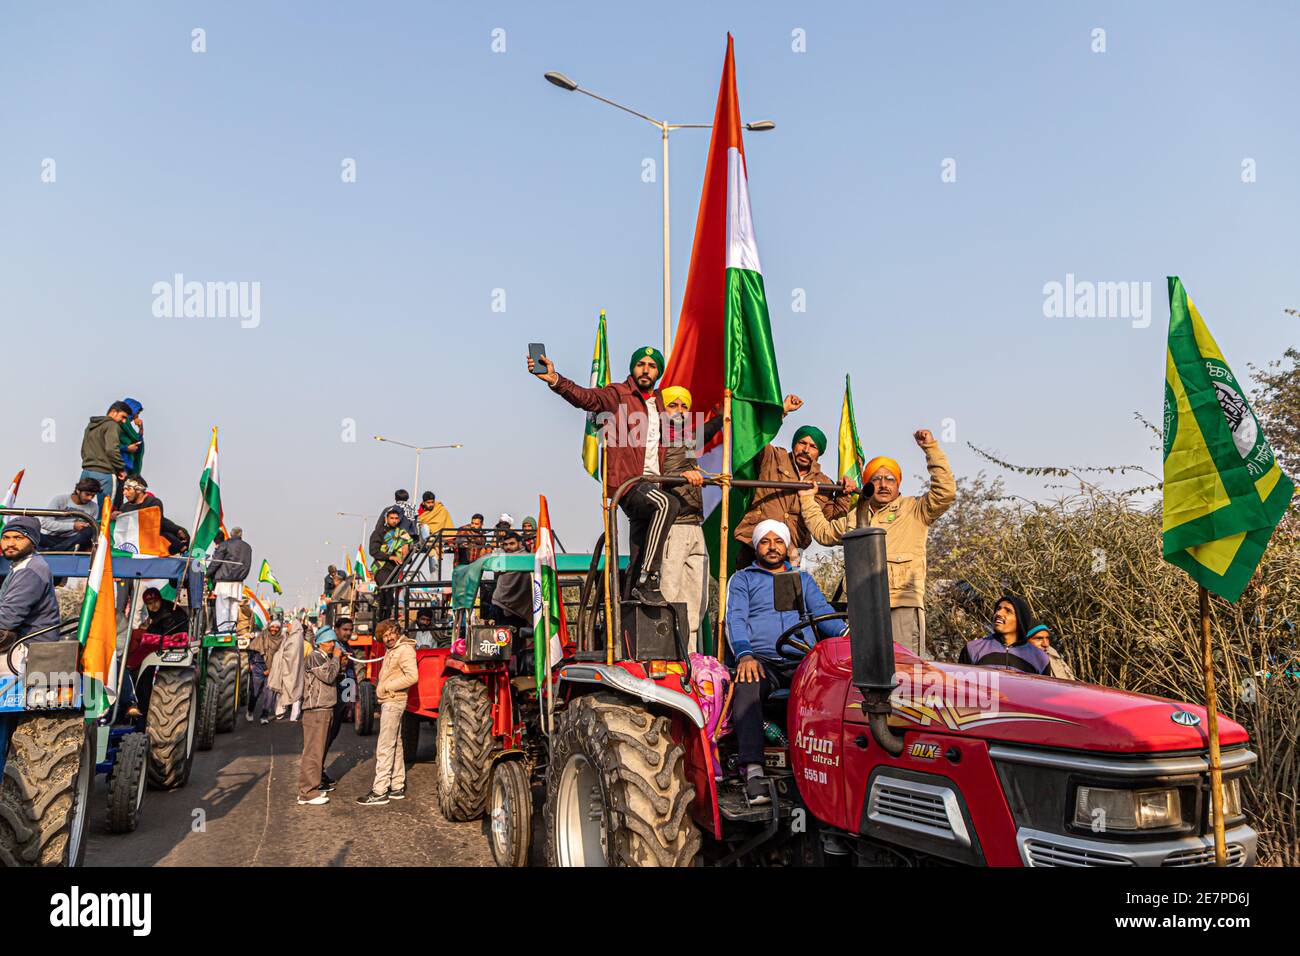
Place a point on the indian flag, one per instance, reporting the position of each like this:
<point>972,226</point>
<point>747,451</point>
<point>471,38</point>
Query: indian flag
<point>724,337</point>
<point>139,532</point>
<point>207,517</point>
<point>265,575</point>
<point>550,628</point>
<point>360,567</point>
<point>11,495</point>
<point>1224,492</point>
<point>255,605</point>
<point>97,629</point>
<point>851,457</point>
<point>599,379</point>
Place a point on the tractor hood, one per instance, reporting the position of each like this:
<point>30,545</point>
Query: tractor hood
<point>1001,705</point>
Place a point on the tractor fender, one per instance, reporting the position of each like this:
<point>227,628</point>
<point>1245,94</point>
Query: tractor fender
<point>616,678</point>
<point>513,753</point>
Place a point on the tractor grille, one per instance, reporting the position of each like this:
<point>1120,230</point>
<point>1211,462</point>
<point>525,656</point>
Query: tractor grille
<point>919,807</point>
<point>1204,856</point>
<point>1043,853</point>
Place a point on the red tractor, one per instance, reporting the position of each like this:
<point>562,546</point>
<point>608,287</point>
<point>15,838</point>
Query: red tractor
<point>888,760</point>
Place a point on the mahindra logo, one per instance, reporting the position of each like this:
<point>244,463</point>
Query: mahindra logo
<point>1184,718</point>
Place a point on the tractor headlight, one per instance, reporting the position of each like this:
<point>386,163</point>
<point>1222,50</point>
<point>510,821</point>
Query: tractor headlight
<point>1101,809</point>
<point>172,657</point>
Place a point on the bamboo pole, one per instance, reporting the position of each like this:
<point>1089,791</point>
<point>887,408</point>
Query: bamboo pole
<point>610,557</point>
<point>1212,720</point>
<point>725,525</point>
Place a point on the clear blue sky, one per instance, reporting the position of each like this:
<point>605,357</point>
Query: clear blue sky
<point>474,175</point>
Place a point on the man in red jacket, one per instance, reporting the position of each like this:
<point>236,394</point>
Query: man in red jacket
<point>631,415</point>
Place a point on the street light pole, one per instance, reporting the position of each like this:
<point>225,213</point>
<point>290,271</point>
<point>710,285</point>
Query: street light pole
<point>762,126</point>
<point>417,449</point>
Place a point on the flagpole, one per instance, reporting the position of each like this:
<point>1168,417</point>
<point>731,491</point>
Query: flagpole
<point>610,557</point>
<point>724,523</point>
<point>1212,720</point>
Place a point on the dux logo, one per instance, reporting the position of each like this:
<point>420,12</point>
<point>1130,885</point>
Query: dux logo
<point>75,909</point>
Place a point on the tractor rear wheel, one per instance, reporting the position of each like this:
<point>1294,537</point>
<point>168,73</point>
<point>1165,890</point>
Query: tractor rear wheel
<point>616,790</point>
<point>363,717</point>
<point>510,813</point>
<point>464,748</point>
<point>170,725</point>
<point>45,796</point>
<point>126,788</point>
<point>245,681</point>
<point>410,736</point>
<point>223,681</point>
<point>205,731</point>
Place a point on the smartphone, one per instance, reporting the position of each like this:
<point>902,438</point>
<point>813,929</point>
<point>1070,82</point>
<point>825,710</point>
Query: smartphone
<point>535,352</point>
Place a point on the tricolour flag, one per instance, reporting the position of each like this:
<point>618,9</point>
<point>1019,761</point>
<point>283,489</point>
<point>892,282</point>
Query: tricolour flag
<point>599,379</point>
<point>550,629</point>
<point>97,628</point>
<point>360,567</point>
<point>11,495</point>
<point>207,517</point>
<point>851,457</point>
<point>1224,492</point>
<point>265,575</point>
<point>724,338</point>
<point>258,609</point>
<point>139,532</point>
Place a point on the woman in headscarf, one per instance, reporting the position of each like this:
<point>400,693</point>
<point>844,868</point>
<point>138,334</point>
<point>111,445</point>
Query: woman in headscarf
<point>288,672</point>
<point>1007,645</point>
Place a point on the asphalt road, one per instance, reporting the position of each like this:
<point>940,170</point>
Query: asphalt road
<point>239,808</point>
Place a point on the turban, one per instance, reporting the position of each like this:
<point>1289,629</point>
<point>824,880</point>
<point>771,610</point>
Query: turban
<point>766,527</point>
<point>676,392</point>
<point>648,351</point>
<point>816,434</point>
<point>325,635</point>
<point>880,461</point>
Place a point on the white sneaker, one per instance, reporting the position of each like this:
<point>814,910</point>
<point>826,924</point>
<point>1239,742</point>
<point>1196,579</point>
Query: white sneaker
<point>315,801</point>
<point>248,716</point>
<point>264,721</point>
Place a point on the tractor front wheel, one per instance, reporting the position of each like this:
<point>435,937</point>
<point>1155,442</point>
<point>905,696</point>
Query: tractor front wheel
<point>45,796</point>
<point>126,787</point>
<point>464,748</point>
<point>616,790</point>
<point>170,725</point>
<point>510,813</point>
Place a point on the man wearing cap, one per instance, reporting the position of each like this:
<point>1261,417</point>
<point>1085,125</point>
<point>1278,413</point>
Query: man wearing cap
<point>231,563</point>
<point>800,463</point>
<point>753,625</point>
<point>631,416</point>
<point>318,699</point>
<point>906,521</point>
<point>27,601</point>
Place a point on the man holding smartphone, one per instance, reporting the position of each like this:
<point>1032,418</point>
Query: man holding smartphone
<point>632,449</point>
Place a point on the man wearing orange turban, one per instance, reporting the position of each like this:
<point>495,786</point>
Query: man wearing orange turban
<point>906,521</point>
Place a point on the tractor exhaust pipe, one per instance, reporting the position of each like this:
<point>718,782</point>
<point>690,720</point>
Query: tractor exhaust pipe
<point>871,632</point>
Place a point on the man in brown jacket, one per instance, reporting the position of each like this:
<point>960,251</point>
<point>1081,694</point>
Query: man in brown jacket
<point>906,521</point>
<point>396,676</point>
<point>800,463</point>
<point>630,414</point>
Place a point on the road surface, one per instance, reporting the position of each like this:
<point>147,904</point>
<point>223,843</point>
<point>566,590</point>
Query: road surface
<point>239,809</point>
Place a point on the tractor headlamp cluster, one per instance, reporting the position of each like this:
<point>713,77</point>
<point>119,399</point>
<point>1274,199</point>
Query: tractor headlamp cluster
<point>1101,809</point>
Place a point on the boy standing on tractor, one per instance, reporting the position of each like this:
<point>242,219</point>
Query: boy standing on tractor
<point>397,674</point>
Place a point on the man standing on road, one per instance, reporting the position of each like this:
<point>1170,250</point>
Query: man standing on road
<point>632,449</point>
<point>230,564</point>
<point>318,699</point>
<point>343,631</point>
<point>71,534</point>
<point>906,521</point>
<point>261,651</point>
<point>396,676</point>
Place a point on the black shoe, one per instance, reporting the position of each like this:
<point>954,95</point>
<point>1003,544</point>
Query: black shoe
<point>649,595</point>
<point>756,791</point>
<point>326,778</point>
<point>326,786</point>
<point>398,794</point>
<point>373,800</point>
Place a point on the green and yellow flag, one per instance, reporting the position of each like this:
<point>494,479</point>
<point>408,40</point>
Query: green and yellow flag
<point>1224,491</point>
<point>599,379</point>
<point>851,457</point>
<point>265,575</point>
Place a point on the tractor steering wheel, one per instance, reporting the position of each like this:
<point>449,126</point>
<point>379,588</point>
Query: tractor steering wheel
<point>787,638</point>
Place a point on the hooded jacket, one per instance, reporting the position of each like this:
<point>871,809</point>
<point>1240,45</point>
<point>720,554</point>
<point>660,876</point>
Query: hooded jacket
<point>625,456</point>
<point>992,651</point>
<point>398,673</point>
<point>99,446</point>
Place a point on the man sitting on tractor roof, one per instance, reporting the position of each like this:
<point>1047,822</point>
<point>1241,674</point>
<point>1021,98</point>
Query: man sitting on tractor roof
<point>753,625</point>
<point>27,601</point>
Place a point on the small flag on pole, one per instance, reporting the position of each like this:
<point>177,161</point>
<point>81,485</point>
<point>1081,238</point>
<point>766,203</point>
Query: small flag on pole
<point>97,628</point>
<point>851,457</point>
<point>207,517</point>
<point>599,379</point>
<point>550,629</point>
<point>11,495</point>
<point>258,609</point>
<point>267,577</point>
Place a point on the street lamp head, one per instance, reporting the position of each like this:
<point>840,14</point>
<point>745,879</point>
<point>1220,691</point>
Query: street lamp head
<point>762,126</point>
<point>560,80</point>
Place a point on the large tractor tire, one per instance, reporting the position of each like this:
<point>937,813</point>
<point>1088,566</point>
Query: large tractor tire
<point>223,681</point>
<point>45,795</point>
<point>410,736</point>
<point>464,748</point>
<point>245,682</point>
<point>363,716</point>
<point>616,790</point>
<point>127,785</point>
<point>170,725</point>
<point>510,813</point>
